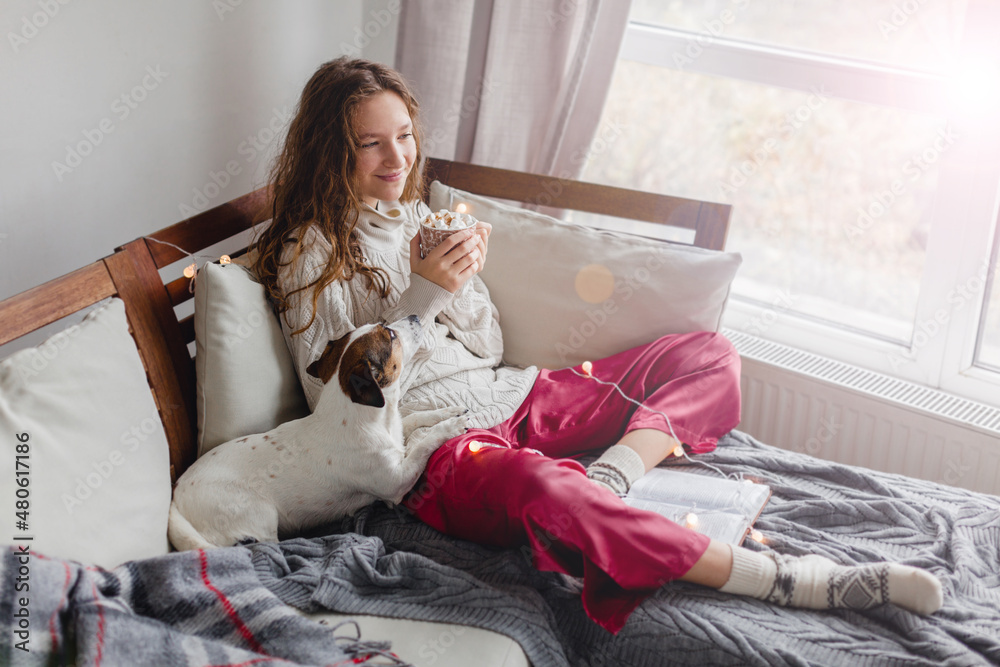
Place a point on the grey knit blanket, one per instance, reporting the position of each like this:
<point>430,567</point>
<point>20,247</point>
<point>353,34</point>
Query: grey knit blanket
<point>234,606</point>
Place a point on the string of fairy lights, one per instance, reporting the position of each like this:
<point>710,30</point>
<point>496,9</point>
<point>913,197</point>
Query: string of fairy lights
<point>691,517</point>
<point>191,270</point>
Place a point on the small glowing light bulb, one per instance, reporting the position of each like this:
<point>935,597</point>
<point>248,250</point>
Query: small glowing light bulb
<point>692,520</point>
<point>475,446</point>
<point>587,367</point>
<point>225,259</point>
<point>190,270</point>
<point>756,535</point>
<point>461,208</point>
<point>678,451</point>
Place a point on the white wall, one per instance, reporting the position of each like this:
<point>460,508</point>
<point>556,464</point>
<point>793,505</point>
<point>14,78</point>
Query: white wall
<point>115,115</point>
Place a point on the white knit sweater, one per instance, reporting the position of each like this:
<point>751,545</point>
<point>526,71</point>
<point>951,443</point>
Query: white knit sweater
<point>459,359</point>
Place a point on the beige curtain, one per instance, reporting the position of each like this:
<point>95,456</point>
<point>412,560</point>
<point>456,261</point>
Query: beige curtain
<point>518,84</point>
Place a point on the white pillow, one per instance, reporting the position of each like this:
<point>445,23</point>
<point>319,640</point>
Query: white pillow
<point>568,293</point>
<point>246,380</point>
<point>98,466</point>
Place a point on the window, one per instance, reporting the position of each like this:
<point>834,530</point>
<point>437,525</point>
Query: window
<point>918,34</point>
<point>854,140</point>
<point>989,338</point>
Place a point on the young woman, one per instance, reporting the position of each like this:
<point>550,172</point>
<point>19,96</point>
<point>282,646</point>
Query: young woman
<point>342,251</point>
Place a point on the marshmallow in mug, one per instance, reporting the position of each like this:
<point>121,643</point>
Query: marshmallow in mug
<point>436,227</point>
<point>450,220</point>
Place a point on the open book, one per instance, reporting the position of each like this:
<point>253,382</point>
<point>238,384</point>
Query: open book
<point>724,509</point>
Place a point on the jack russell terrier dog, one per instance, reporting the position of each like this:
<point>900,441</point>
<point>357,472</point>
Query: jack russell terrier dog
<point>348,453</point>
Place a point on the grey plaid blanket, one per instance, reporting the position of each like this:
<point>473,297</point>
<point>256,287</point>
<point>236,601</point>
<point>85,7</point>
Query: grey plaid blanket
<point>235,606</point>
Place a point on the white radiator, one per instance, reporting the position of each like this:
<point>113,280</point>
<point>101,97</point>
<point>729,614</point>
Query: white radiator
<point>803,402</point>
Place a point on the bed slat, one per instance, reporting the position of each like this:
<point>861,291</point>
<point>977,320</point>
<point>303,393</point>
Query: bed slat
<point>712,226</point>
<point>158,337</point>
<point>34,308</point>
<point>187,329</point>
<point>178,291</point>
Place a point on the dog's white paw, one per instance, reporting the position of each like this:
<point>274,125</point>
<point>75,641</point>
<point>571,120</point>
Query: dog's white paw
<point>424,419</point>
<point>451,428</point>
<point>449,412</point>
<point>430,437</point>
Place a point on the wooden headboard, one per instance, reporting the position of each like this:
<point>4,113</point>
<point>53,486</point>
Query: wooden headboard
<point>710,221</point>
<point>131,275</point>
<point>132,272</point>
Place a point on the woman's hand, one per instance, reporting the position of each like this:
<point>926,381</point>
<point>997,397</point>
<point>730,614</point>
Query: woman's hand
<point>483,229</point>
<point>451,264</point>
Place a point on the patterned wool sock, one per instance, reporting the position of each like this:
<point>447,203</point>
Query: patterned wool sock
<point>617,469</point>
<point>815,582</point>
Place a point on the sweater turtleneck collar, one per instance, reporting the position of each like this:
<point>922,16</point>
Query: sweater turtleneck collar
<point>382,228</point>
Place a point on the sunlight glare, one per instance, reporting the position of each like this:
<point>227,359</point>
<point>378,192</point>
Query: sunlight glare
<point>973,87</point>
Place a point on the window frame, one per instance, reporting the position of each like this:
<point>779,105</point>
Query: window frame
<point>968,190</point>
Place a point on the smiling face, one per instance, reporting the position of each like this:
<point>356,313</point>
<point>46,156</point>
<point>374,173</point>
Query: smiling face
<point>386,147</point>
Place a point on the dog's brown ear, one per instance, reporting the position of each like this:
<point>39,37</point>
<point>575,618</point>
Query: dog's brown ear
<point>363,387</point>
<point>324,367</point>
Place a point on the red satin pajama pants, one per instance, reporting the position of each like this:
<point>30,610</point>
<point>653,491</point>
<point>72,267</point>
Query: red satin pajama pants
<point>512,496</point>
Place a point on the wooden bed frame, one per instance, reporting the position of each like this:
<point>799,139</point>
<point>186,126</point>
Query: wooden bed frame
<point>132,273</point>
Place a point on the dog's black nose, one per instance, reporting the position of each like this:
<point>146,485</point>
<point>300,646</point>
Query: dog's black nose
<point>414,319</point>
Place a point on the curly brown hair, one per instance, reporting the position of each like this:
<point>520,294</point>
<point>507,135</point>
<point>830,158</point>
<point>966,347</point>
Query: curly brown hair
<point>314,181</point>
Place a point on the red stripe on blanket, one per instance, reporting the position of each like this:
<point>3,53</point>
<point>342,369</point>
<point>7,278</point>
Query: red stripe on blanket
<point>227,605</point>
<point>358,660</point>
<point>100,627</point>
<point>53,631</point>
